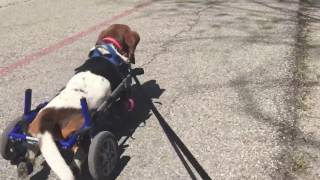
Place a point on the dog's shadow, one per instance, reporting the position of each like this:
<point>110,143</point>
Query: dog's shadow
<point>124,124</point>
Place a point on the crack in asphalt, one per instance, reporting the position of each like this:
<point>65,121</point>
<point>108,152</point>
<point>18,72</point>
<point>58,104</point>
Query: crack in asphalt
<point>165,46</point>
<point>301,89</point>
<point>290,135</point>
<point>290,132</point>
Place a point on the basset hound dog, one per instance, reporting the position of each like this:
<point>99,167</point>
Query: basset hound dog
<point>95,80</point>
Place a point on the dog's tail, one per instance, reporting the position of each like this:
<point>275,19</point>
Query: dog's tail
<point>53,157</point>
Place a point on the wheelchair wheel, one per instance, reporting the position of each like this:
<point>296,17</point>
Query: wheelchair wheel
<point>7,147</point>
<point>103,155</point>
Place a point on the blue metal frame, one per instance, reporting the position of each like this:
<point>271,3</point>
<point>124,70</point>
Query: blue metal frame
<point>18,134</point>
<point>27,101</point>
<point>68,143</point>
<point>85,113</point>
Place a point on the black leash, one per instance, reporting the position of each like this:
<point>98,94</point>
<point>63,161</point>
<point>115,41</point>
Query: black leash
<point>179,147</point>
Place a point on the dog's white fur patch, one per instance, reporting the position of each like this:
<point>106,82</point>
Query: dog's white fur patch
<point>53,157</point>
<point>93,87</point>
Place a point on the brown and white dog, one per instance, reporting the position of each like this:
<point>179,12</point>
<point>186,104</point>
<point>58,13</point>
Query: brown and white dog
<point>62,115</point>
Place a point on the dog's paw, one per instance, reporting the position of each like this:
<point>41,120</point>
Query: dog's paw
<point>24,169</point>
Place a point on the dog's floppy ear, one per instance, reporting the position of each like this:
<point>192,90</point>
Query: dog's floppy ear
<point>132,39</point>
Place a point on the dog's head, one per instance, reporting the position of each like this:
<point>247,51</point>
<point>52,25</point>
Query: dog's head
<point>127,39</point>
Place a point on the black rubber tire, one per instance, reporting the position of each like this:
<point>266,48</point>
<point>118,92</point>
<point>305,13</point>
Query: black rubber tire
<point>103,155</point>
<point>5,144</point>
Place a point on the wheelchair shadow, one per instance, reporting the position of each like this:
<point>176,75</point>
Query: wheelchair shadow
<point>123,126</point>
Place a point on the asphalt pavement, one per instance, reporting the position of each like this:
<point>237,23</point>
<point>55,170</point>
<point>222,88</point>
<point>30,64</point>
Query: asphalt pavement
<point>229,90</point>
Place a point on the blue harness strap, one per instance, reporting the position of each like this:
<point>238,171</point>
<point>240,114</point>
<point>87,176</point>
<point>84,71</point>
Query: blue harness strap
<point>108,52</point>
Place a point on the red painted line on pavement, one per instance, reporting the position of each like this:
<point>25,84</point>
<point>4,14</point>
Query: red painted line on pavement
<point>27,59</point>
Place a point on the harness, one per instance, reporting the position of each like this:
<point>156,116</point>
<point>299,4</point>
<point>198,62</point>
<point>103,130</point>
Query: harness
<point>108,51</point>
<point>106,61</point>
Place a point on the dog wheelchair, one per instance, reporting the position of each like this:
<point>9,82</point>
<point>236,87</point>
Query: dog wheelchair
<point>102,155</point>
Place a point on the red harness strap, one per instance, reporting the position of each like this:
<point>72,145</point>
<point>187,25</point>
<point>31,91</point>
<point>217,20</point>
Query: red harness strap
<point>113,41</point>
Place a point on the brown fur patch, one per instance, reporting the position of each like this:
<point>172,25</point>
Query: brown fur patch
<point>59,122</point>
